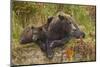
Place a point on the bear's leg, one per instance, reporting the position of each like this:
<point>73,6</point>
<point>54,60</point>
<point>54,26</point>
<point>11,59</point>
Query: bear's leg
<point>49,50</point>
<point>42,45</point>
<point>58,43</point>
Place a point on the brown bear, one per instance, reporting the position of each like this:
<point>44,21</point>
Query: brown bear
<point>58,30</point>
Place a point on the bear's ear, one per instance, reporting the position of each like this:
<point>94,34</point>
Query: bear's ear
<point>32,27</point>
<point>49,19</point>
<point>40,28</point>
<point>61,17</point>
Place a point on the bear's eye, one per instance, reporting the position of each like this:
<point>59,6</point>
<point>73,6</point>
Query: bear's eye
<point>69,22</point>
<point>74,29</point>
<point>27,30</point>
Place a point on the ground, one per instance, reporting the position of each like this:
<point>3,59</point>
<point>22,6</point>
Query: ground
<point>32,54</point>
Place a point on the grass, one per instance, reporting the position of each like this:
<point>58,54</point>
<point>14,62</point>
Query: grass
<point>31,53</point>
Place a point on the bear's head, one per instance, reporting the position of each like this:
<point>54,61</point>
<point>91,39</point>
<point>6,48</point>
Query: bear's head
<point>64,23</point>
<point>26,35</point>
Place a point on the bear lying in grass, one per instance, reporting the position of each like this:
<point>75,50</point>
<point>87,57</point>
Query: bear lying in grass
<point>58,30</point>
